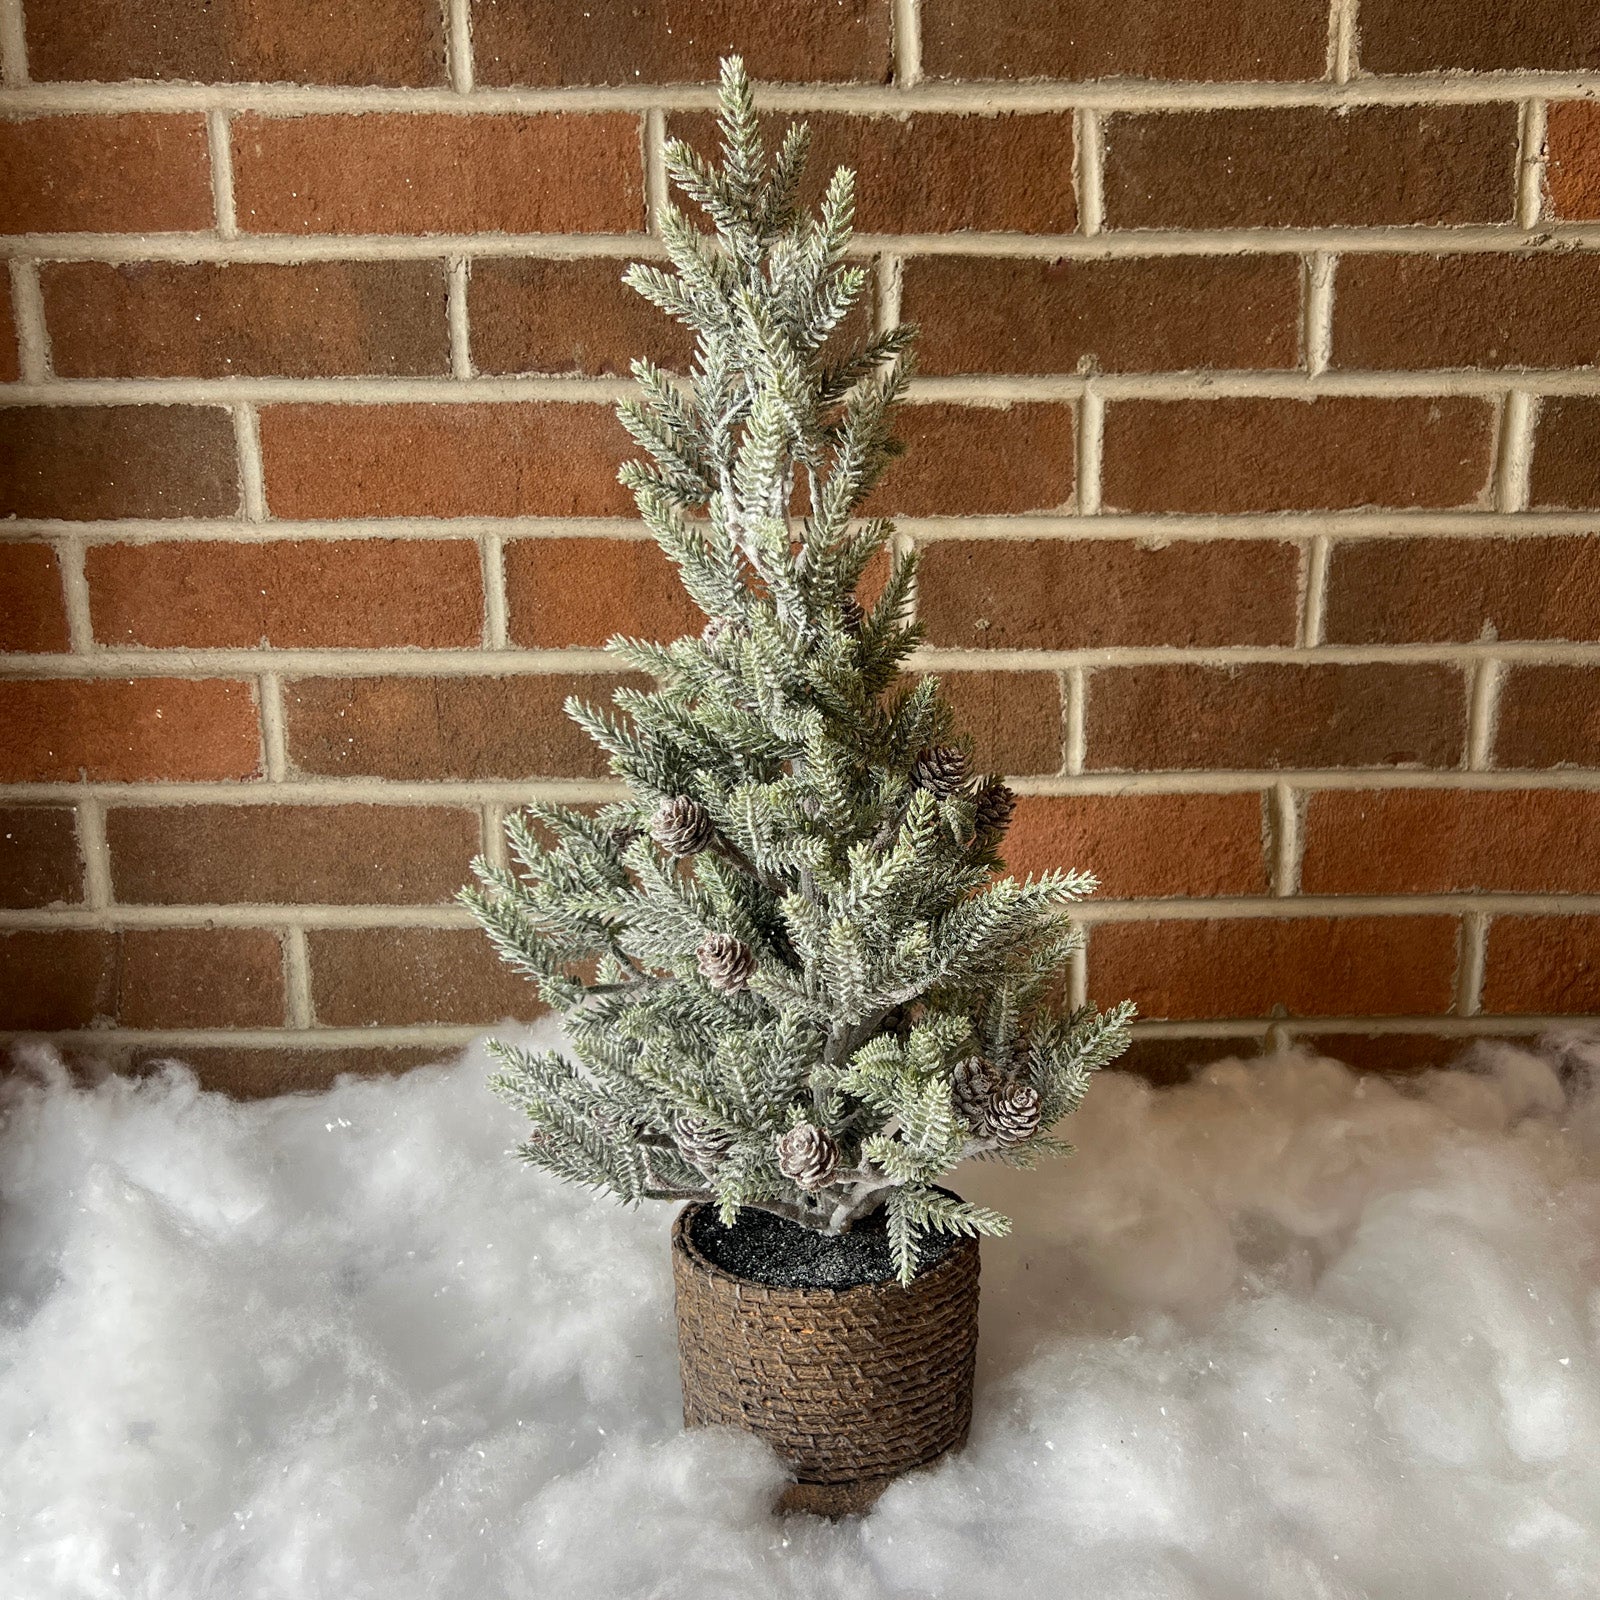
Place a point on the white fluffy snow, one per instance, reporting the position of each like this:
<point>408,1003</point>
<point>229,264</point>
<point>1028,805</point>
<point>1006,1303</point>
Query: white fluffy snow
<point>1282,1332</point>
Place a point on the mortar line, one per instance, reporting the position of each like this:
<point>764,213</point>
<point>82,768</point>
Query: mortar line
<point>907,40</point>
<point>1314,592</point>
<point>297,977</point>
<point>1342,43</point>
<point>451,1036</point>
<point>1091,449</point>
<point>924,96</point>
<point>657,190</point>
<point>410,662</point>
<point>1089,148</point>
<point>1317,329</point>
<point>1115,244</point>
<point>1483,713</point>
<point>495,626</point>
<point>495,849</point>
<point>1471,950</point>
<point>1531,156</point>
<point>27,314</point>
<point>1088,914</point>
<point>1078,974</point>
<point>96,855</point>
<point>1268,527</point>
<point>219,144</point>
<point>1066,387</point>
<point>247,446</point>
<point>274,742</point>
<point>1288,841</point>
<point>446,1036</point>
<point>476,792</point>
<point>458,270</point>
<point>1074,701</point>
<point>75,596</point>
<point>890,282</point>
<point>458,46</point>
<point>13,45</point>
<point>1514,443</point>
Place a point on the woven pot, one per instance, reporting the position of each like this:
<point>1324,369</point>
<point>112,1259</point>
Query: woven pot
<point>852,1387</point>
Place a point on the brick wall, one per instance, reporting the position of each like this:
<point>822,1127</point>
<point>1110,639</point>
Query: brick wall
<point>1256,463</point>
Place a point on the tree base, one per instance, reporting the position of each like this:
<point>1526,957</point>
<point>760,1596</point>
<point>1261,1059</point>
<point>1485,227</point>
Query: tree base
<point>852,1387</point>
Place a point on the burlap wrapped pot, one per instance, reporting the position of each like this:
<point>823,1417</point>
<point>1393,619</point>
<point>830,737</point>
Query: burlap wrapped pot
<point>852,1387</point>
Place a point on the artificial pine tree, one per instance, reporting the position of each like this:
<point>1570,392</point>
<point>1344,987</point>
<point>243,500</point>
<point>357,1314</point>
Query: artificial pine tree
<point>789,974</point>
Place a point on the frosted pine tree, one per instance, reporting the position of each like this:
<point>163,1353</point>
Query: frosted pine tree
<point>789,972</point>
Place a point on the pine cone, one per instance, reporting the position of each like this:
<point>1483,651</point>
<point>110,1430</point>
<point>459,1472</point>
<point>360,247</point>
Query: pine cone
<point>700,1144</point>
<point>995,808</point>
<point>1014,1112</point>
<point>851,616</point>
<point>941,769</point>
<point>808,1156</point>
<point>683,827</point>
<point>726,963</point>
<point>972,1091</point>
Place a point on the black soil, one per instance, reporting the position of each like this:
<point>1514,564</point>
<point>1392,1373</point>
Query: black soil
<point>763,1248</point>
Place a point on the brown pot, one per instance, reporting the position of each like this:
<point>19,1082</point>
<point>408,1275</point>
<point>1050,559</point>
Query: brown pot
<point>852,1387</point>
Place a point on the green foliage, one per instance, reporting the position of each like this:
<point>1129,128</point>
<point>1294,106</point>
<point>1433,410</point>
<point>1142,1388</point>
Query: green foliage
<point>794,915</point>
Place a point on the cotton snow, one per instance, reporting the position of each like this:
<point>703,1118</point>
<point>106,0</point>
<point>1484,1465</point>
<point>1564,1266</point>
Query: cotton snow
<point>1282,1331</point>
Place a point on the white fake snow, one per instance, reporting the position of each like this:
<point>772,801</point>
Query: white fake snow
<point>1281,1332</point>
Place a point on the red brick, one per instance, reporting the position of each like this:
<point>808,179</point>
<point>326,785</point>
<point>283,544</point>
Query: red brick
<point>289,854</point>
<point>1566,452</point>
<point>1549,717</point>
<point>1464,36</point>
<point>1013,719</point>
<point>366,977</point>
<point>566,316</point>
<point>563,593</point>
<point>1161,314</point>
<point>1027,594</point>
<point>33,615</point>
<point>658,41</point>
<point>10,356</point>
<point>140,173</point>
<point>936,173</point>
<point>1397,313</point>
<point>1305,167</point>
<point>1146,846</point>
<point>1165,1061</point>
<point>258,1072</point>
<point>127,730</point>
<point>143,978</point>
<point>399,43</point>
<point>496,460</point>
<point>1207,40</point>
<point>289,594</point>
<point>951,465</point>
<point>1395,591</point>
<point>1572,171</point>
<point>1542,966</point>
<point>39,861</point>
<point>1187,718</point>
<point>405,172</point>
<point>1296,455</point>
<point>87,462</point>
<point>456,728</point>
<point>165,319</point>
<point>1438,841</point>
<point>1393,1054</point>
<point>1273,967</point>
